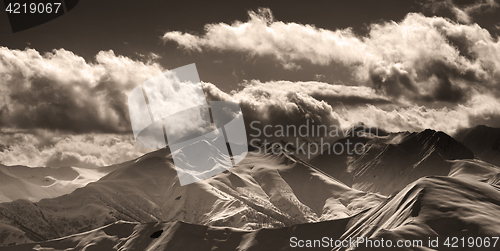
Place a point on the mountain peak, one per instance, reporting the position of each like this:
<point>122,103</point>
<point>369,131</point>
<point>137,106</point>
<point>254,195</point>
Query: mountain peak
<point>448,147</point>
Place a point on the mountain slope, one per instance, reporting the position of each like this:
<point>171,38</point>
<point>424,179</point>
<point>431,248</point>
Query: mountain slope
<point>392,161</point>
<point>262,191</point>
<point>36,183</point>
<point>432,207</point>
<point>187,237</point>
<point>484,141</point>
<point>266,190</point>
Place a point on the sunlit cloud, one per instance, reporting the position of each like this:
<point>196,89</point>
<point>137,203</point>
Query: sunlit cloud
<point>421,60</point>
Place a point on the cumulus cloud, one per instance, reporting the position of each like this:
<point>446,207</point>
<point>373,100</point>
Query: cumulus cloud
<point>46,148</point>
<point>74,159</point>
<point>263,104</point>
<point>276,103</point>
<point>481,109</point>
<point>421,72</point>
<point>333,94</point>
<point>272,103</point>
<point>61,91</point>
<point>262,35</point>
<point>420,60</point>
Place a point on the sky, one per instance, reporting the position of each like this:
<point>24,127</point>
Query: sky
<point>398,65</point>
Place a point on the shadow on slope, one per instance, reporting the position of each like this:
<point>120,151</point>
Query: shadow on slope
<point>262,191</point>
<point>484,141</point>
<point>187,237</point>
<point>392,161</point>
<point>433,207</point>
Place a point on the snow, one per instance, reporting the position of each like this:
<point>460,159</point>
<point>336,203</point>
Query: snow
<point>433,206</point>
<point>261,191</point>
<point>484,141</point>
<point>406,186</point>
<point>393,161</point>
<point>36,183</point>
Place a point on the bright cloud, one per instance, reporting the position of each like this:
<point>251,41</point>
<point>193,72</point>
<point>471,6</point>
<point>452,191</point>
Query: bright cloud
<point>422,60</point>
<point>57,109</point>
<point>284,102</point>
<point>46,148</point>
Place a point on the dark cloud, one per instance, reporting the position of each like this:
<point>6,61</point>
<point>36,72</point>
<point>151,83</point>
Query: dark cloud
<point>60,91</point>
<point>267,105</point>
<point>421,72</point>
<point>271,105</point>
<point>394,83</point>
<point>447,92</point>
<point>462,10</point>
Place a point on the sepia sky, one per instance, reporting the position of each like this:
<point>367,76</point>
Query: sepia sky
<point>398,65</point>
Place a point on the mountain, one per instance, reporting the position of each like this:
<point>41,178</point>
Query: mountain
<point>476,170</point>
<point>261,191</point>
<point>431,207</point>
<point>36,183</point>
<point>391,161</point>
<point>434,186</point>
<point>484,141</point>
<point>428,209</point>
<point>186,237</point>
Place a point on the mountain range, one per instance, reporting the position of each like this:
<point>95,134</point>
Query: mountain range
<point>405,186</point>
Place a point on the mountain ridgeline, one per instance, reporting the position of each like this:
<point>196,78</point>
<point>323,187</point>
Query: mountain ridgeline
<point>405,186</point>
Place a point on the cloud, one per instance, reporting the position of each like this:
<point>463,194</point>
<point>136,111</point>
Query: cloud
<point>422,72</point>
<point>61,91</point>
<point>420,60</point>
<point>272,103</point>
<point>333,94</point>
<point>462,12</point>
<point>481,109</point>
<point>46,148</point>
<point>275,103</point>
<point>74,159</point>
<point>262,35</point>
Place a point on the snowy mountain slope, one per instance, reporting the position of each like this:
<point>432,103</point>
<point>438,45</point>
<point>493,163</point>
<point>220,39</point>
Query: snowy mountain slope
<point>127,236</point>
<point>267,190</point>
<point>262,191</point>
<point>433,207</point>
<point>484,141</point>
<point>392,161</point>
<point>475,169</point>
<point>36,183</point>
